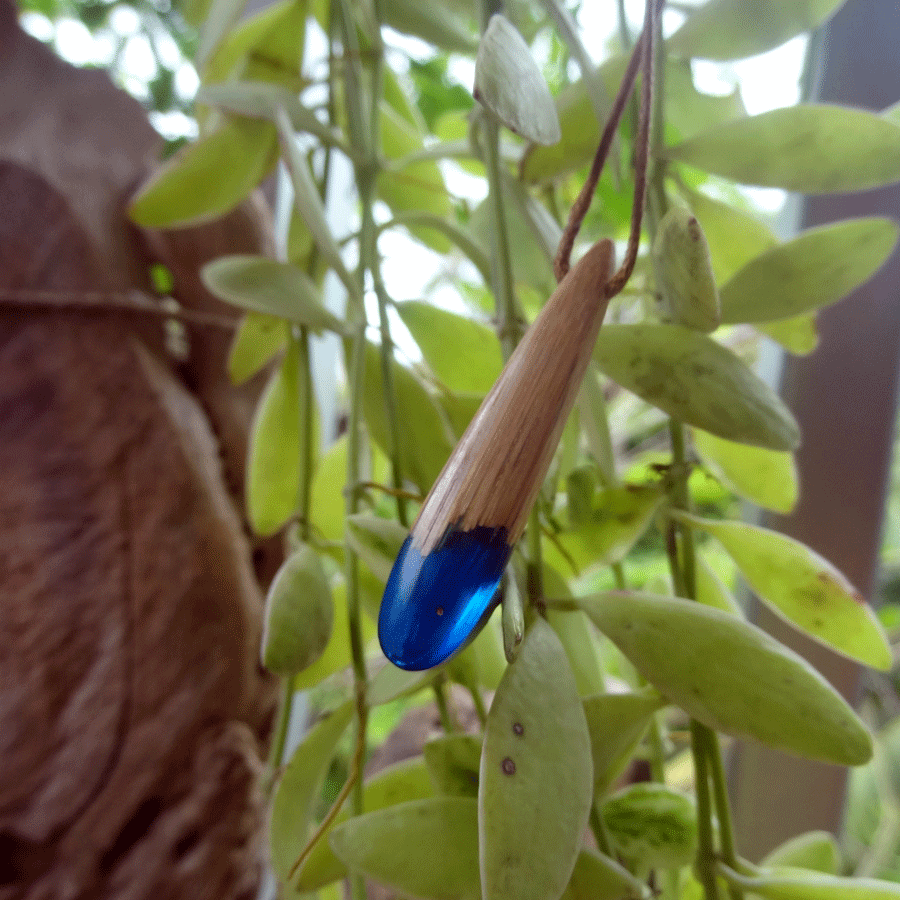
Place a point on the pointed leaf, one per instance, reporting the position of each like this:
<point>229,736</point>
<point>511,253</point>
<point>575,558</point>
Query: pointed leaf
<point>536,776</point>
<point>397,847</point>
<point>299,787</point>
<point>377,542</point>
<point>721,29</point>
<point>617,723</point>
<point>408,780</point>
<point>259,338</point>
<point>712,591</point>
<point>801,884</point>
<point>653,825</point>
<point>798,335</point>
<point>731,675</point>
<point>207,178</point>
<point>691,377</point>
<point>299,615</point>
<point>767,478</point>
<point>804,589</point>
<point>425,441</point>
<point>464,354</point>
<point>813,270</point>
<point>815,850</point>
<point>510,84</point>
<point>435,23</point>
<point>273,468</point>
<point>579,639</point>
<point>266,286</point>
<point>816,149</point>
<point>597,877</point>
<point>390,683</point>
<point>453,762</point>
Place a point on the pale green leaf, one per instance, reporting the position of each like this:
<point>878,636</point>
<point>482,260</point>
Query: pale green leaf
<point>298,788</point>
<point>798,335</point>
<point>815,850</point>
<point>377,541</point>
<point>597,877</point>
<point>711,590</point>
<point>813,270</point>
<point>453,762</point>
<point>423,848</point>
<point>730,29</point>
<point>801,884</point>
<point>804,588</point>
<point>536,775</point>
<point>691,377</point>
<point>435,23</point>
<point>209,177</point>
<point>510,84</point>
<point>767,478</point>
<point>464,354</point>
<point>730,675</point>
<point>265,286</point>
<point>812,148</point>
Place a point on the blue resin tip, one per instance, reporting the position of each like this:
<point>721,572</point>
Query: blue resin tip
<point>434,605</point>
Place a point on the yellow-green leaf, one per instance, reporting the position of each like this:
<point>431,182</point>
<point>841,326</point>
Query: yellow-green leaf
<point>208,177</point>
<point>804,588</point>
<point>597,877</point>
<point>453,762</point>
<point>815,850</point>
<point>813,270</point>
<point>767,478</point>
<point>259,338</point>
<point>730,675</point>
<point>691,377</point>
<point>813,148</point>
<point>800,884</point>
<point>729,29</point>
<point>536,775</point>
<point>798,335</point>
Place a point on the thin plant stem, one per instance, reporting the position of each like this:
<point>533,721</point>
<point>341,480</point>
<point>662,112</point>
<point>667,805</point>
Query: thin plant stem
<point>598,827</point>
<point>723,807</point>
<point>279,736</point>
<point>443,707</point>
<point>307,417</point>
<point>706,851</point>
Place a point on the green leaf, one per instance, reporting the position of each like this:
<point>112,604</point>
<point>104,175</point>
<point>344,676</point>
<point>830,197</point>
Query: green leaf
<point>423,848</point>
<point>722,29</point>
<point>536,777</point>
<point>205,179</point>
<point>510,84</point>
<point>815,850</point>
<point>403,782</point>
<point>299,787</point>
<point>815,149</point>
<point>798,335</point>
<point>433,22</point>
<point>734,235</point>
<point>453,762</point>
<point>597,877</point>
<point>579,640</point>
<point>273,468</point>
<point>712,591</point>
<point>299,615</point>
<point>464,354</point>
<point>731,675</point>
<point>259,338</point>
<point>425,440</point>
<point>691,377</point>
<point>800,884</point>
<point>617,723</point>
<point>803,588</point>
<point>265,286</point>
<point>653,825</point>
<point>377,541</point>
<point>327,502</point>
<point>813,270</point>
<point>767,478</point>
<point>687,111</point>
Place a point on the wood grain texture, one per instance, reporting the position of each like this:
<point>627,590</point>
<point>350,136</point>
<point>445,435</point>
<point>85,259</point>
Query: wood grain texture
<point>493,476</point>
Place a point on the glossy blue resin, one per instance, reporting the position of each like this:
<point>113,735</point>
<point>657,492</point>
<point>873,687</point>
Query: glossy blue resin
<point>434,605</point>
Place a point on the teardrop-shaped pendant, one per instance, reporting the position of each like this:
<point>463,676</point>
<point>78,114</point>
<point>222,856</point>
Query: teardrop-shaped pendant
<point>443,586</point>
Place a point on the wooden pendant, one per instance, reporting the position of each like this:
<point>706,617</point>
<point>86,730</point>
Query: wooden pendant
<point>443,586</point>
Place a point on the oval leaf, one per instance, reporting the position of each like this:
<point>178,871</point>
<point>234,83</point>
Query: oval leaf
<point>731,675</point>
<point>712,591</point>
<point>798,335</point>
<point>299,615</point>
<point>767,478</point>
<point>435,23</point>
<point>804,589</point>
<point>815,149</point>
<point>259,338</point>
<point>273,470</point>
<point>722,29</point>
<point>464,354</point>
<point>616,723</point>
<point>299,786</point>
<point>266,286</point>
<point>453,762</point>
<point>536,775</point>
<point>813,270</point>
<point>377,542</point>
<point>597,877</point>
<point>398,847</point>
<point>510,84</point>
<point>403,782</point>
<point>205,179</point>
<point>800,884</point>
<point>691,377</point>
<point>815,850</point>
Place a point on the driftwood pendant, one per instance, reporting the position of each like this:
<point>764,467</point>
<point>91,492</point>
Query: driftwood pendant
<point>443,586</point>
